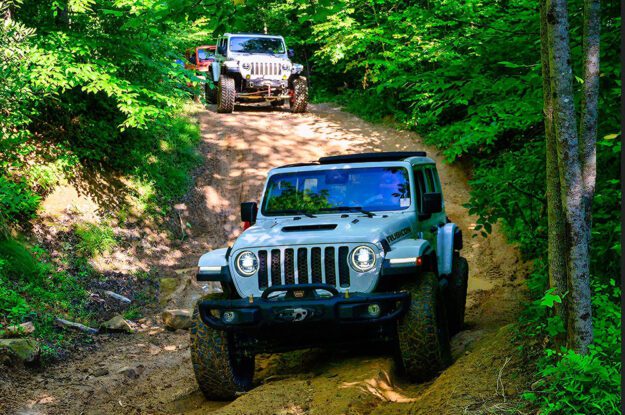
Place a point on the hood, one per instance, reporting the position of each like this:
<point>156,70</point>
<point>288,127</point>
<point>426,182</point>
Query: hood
<point>260,58</point>
<point>327,229</point>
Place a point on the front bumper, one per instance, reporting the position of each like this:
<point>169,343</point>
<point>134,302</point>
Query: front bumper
<point>256,313</point>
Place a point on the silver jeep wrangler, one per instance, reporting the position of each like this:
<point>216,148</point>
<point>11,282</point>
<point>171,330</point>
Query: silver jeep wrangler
<point>255,68</point>
<point>348,249</point>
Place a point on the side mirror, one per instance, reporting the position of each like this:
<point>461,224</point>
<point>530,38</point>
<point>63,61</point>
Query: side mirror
<point>249,210</point>
<point>221,50</point>
<point>290,53</point>
<point>432,203</point>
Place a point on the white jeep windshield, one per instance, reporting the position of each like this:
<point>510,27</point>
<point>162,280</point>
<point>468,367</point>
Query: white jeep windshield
<point>331,191</point>
<point>252,44</point>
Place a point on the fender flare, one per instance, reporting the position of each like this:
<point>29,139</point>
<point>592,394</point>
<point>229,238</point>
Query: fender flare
<point>213,266</point>
<point>404,250</point>
<point>216,70</point>
<point>449,240</point>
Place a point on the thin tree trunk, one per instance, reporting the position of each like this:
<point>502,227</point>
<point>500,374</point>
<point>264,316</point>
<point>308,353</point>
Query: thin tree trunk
<point>556,253</point>
<point>579,327</point>
<point>589,107</point>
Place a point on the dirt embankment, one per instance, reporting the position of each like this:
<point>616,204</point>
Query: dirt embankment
<point>238,149</point>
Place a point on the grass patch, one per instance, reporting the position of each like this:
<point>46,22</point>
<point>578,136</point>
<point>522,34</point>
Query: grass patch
<point>158,169</point>
<point>31,289</point>
<point>94,239</point>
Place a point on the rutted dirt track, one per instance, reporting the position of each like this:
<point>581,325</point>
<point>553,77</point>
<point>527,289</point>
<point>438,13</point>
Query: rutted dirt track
<point>238,149</point>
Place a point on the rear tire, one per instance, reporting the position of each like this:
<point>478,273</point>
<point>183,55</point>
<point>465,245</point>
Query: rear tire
<point>458,283</point>
<point>225,94</point>
<point>220,369</point>
<point>299,97</point>
<point>423,348</point>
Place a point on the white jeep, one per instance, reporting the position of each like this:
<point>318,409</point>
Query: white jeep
<point>255,68</point>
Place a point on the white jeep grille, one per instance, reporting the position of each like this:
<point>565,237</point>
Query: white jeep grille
<point>327,264</point>
<point>266,68</point>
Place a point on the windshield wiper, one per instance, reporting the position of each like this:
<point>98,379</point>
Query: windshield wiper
<point>349,209</point>
<point>293,212</point>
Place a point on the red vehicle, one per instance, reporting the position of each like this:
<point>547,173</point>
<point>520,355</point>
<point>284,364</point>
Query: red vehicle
<point>200,60</point>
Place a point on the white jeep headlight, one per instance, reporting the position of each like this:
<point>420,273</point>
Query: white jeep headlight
<point>286,66</point>
<point>246,66</point>
<point>363,258</point>
<point>247,263</point>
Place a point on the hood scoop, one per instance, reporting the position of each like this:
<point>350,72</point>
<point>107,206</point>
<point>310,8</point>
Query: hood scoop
<point>305,228</point>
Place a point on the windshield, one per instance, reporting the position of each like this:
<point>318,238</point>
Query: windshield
<point>205,54</point>
<point>331,191</point>
<point>250,44</point>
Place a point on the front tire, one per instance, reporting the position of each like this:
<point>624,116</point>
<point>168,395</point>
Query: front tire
<point>225,94</point>
<point>458,284</point>
<point>220,368</point>
<point>423,348</point>
<point>299,95</point>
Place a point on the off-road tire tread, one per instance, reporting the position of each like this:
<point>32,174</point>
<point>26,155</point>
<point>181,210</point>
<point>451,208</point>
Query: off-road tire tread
<point>225,94</point>
<point>212,364</point>
<point>422,338</point>
<point>457,298</point>
<point>299,102</point>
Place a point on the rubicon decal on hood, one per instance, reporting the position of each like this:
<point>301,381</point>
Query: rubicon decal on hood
<point>395,236</point>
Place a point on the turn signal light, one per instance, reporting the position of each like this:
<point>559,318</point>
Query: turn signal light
<point>419,261</point>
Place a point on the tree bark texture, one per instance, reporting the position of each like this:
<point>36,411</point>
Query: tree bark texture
<point>589,103</point>
<point>579,324</point>
<point>555,216</point>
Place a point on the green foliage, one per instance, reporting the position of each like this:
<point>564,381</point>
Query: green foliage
<point>94,239</point>
<point>573,383</point>
<point>31,289</point>
<point>17,202</point>
<point>88,93</point>
<point>292,199</point>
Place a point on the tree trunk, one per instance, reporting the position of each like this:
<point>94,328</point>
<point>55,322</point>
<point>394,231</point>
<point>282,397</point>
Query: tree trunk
<point>589,106</point>
<point>555,216</point>
<point>579,325</point>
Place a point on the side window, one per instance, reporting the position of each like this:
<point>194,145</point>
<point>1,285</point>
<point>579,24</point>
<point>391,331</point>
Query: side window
<point>420,188</point>
<point>430,181</point>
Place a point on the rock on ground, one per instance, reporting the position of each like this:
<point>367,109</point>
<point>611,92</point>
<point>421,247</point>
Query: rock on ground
<point>117,324</point>
<point>23,329</point>
<point>19,350</point>
<point>177,319</point>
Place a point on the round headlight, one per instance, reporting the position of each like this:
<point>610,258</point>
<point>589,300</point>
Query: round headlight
<point>286,66</point>
<point>246,66</point>
<point>363,258</point>
<point>247,263</point>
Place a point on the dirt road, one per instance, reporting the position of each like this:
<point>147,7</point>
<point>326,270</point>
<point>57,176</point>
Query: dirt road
<point>238,149</point>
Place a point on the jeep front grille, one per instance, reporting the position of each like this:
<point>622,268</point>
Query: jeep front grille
<point>304,265</point>
<point>266,68</point>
